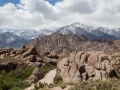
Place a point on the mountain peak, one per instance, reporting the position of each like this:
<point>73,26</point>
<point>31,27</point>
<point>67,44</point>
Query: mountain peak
<point>77,24</point>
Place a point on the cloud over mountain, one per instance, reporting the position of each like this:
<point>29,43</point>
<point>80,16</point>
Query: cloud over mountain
<point>42,14</point>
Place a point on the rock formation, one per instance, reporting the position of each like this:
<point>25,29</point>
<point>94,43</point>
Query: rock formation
<point>35,76</point>
<point>25,56</point>
<point>8,66</point>
<point>92,66</point>
<point>59,43</point>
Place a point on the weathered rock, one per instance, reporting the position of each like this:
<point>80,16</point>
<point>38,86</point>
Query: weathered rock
<point>31,58</point>
<point>3,51</point>
<point>78,56</point>
<point>83,58</point>
<point>45,54</point>
<point>49,61</point>
<point>22,49</point>
<point>35,76</point>
<point>72,57</point>
<point>97,75</point>
<point>2,56</point>
<point>92,60</point>
<point>92,66</point>
<point>38,59</point>
<point>65,74</point>
<point>72,70</point>
<point>33,64</point>
<point>63,63</point>
<point>8,66</point>
<point>103,57</point>
<point>76,77</point>
<point>53,56</point>
<point>89,70</point>
<point>31,51</point>
<point>103,75</point>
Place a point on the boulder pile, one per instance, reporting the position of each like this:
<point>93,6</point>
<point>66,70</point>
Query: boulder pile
<point>91,66</point>
<point>25,56</point>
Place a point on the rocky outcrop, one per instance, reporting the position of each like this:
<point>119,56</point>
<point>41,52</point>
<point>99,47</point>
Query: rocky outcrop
<point>92,66</point>
<point>8,66</point>
<point>59,43</point>
<point>2,51</point>
<point>35,76</point>
<point>29,56</point>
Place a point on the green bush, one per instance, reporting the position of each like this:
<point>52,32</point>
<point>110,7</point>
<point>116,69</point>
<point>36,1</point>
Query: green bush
<point>57,79</point>
<point>42,85</point>
<point>36,87</point>
<point>3,72</point>
<point>15,78</point>
<point>63,85</point>
<point>46,69</point>
<point>98,85</point>
<point>51,85</point>
<point>11,85</point>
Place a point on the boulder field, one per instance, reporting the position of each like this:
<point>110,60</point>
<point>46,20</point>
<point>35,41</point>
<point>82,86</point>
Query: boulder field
<point>25,56</point>
<point>91,66</point>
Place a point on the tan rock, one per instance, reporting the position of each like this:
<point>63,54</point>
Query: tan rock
<point>78,56</point>
<point>83,58</point>
<point>103,57</point>
<point>35,76</point>
<point>63,63</point>
<point>72,70</point>
<point>97,75</point>
<point>103,75</point>
<point>89,70</point>
<point>93,59</point>
<point>72,57</point>
<point>76,77</point>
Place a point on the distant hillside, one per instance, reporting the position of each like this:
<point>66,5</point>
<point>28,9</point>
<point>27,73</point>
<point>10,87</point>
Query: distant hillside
<point>57,43</point>
<point>9,39</point>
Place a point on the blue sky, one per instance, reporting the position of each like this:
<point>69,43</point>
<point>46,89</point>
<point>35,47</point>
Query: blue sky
<point>3,2</point>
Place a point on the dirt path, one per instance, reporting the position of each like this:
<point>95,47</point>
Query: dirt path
<point>47,79</point>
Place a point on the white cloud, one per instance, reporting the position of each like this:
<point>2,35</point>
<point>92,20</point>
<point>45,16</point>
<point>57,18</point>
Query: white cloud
<point>42,14</point>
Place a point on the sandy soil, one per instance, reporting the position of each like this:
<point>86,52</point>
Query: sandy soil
<point>47,79</point>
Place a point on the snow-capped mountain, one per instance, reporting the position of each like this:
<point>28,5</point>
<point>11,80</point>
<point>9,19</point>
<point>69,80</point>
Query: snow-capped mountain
<point>27,34</point>
<point>8,36</point>
<point>75,28</point>
<point>90,32</point>
<point>9,39</point>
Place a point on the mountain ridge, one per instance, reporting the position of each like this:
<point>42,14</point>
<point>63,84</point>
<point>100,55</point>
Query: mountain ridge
<point>73,28</point>
<point>76,28</point>
<point>58,43</point>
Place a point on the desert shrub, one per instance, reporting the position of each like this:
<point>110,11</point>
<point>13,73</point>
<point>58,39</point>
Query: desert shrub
<point>21,73</point>
<point>105,85</point>
<point>15,88</point>
<point>3,72</point>
<point>15,78</point>
<point>12,85</point>
<point>97,85</point>
<point>51,85</point>
<point>36,87</point>
<point>57,79</point>
<point>42,85</point>
<point>63,85</point>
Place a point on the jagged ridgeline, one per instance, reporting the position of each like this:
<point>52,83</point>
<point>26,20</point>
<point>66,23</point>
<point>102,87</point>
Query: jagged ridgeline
<point>57,43</point>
